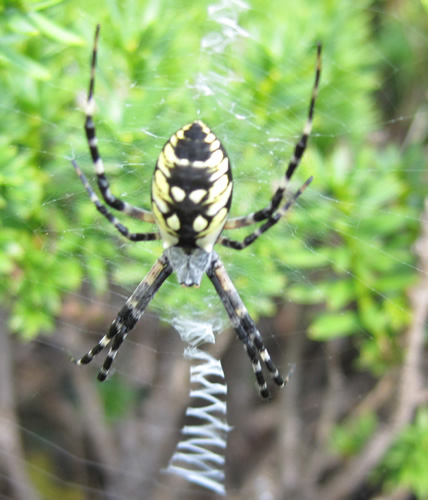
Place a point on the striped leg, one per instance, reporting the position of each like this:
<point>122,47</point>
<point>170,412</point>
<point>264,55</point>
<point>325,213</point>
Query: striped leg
<point>244,326</point>
<point>128,316</point>
<point>108,215</point>
<point>103,183</point>
<point>299,150</point>
<point>272,220</point>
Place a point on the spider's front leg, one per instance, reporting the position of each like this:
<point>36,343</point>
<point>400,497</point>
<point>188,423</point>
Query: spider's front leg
<point>272,220</point>
<point>245,327</point>
<point>91,136</point>
<point>128,316</point>
<point>299,150</point>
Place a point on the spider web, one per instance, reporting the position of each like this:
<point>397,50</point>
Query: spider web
<point>146,399</point>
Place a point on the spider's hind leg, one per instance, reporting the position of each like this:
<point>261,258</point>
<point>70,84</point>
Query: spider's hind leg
<point>119,329</point>
<point>128,316</point>
<point>245,327</point>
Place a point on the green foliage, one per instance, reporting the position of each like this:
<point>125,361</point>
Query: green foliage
<point>117,398</point>
<point>34,270</point>
<point>406,463</point>
<point>350,437</point>
<point>361,246</point>
<point>400,45</point>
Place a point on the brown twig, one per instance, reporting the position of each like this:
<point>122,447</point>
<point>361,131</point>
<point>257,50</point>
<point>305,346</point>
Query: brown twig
<point>11,456</point>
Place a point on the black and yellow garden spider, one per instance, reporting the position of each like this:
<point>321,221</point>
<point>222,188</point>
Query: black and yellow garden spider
<point>191,198</point>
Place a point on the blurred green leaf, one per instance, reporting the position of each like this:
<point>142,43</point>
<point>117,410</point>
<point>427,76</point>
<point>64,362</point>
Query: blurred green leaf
<point>339,293</point>
<point>32,68</point>
<point>332,325</point>
<point>407,461</point>
<point>54,31</point>
<point>348,438</point>
<point>305,294</point>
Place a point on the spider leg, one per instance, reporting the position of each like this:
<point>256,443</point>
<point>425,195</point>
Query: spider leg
<point>272,220</point>
<point>244,326</point>
<point>103,184</point>
<point>123,230</point>
<point>128,316</point>
<point>299,150</point>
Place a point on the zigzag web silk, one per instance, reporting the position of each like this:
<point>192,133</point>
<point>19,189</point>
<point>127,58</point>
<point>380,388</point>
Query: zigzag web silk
<point>199,456</point>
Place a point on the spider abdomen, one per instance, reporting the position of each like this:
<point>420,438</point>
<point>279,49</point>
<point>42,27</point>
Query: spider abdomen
<point>192,188</point>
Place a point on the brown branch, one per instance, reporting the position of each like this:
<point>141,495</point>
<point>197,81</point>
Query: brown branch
<point>332,405</point>
<point>290,430</point>
<point>12,456</point>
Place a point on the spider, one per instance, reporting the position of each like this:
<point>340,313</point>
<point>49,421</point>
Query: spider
<point>191,194</point>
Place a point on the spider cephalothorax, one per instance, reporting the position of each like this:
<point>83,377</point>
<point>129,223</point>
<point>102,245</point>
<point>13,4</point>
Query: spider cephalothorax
<point>191,198</point>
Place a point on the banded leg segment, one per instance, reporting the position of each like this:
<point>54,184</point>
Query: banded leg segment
<point>244,326</point>
<point>299,150</point>
<point>123,230</point>
<point>272,220</point>
<point>128,316</point>
<point>103,184</point>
